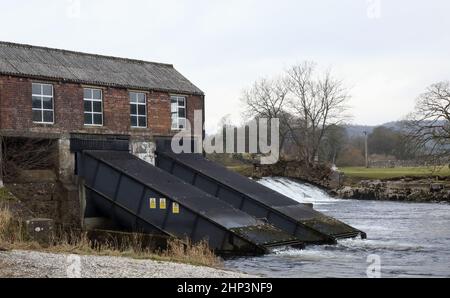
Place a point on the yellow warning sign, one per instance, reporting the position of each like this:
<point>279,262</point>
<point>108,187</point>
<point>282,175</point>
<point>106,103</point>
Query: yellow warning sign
<point>152,203</point>
<point>162,204</point>
<point>175,208</point>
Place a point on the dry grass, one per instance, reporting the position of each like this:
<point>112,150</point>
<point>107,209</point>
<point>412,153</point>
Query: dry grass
<point>187,252</point>
<point>6,196</point>
<point>11,229</point>
<point>245,170</point>
<point>13,236</point>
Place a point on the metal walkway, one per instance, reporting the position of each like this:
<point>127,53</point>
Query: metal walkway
<point>146,199</point>
<point>244,194</point>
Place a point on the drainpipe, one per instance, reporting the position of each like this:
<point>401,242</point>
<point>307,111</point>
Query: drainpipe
<point>1,162</point>
<point>203,128</point>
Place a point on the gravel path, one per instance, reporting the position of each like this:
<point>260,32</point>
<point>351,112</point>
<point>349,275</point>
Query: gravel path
<point>45,265</point>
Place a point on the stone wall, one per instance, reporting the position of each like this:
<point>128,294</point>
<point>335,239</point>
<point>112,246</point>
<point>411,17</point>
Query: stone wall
<point>409,190</point>
<point>405,163</point>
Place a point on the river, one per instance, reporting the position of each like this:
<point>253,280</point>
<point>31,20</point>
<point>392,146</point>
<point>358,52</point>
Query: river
<point>409,239</point>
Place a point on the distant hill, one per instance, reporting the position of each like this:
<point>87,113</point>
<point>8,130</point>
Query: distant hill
<point>358,130</point>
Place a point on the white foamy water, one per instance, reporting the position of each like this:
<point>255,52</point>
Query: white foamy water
<point>412,240</point>
<point>302,193</point>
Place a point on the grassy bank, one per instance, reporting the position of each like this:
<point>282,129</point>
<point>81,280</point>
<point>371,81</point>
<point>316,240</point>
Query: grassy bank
<point>6,196</point>
<point>245,170</point>
<point>390,173</point>
<point>14,237</point>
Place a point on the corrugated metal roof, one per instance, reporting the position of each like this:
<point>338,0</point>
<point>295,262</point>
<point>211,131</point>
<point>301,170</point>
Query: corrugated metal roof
<point>54,64</point>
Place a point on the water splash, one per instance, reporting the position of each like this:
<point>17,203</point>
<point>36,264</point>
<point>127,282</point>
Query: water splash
<point>301,192</point>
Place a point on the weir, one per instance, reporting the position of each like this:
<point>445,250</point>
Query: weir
<point>298,220</point>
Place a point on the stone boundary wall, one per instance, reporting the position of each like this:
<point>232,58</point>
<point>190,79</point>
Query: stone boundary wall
<point>406,163</point>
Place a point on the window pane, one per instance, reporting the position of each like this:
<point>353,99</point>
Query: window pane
<point>88,93</point>
<point>174,100</point>
<point>133,109</point>
<point>182,113</point>
<point>174,107</point>
<point>142,121</point>
<point>133,97</point>
<point>47,103</point>
<point>36,89</point>
<point>87,118</point>
<point>98,119</point>
<point>141,110</point>
<point>37,103</point>
<point>37,116</point>
<point>174,123</point>
<point>141,97</point>
<point>97,94</point>
<point>134,121</point>
<point>88,106</point>
<point>181,102</point>
<point>48,116</point>
<point>97,106</point>
<point>48,90</point>
<point>182,123</point>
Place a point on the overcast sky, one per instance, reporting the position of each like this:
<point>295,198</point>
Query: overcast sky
<point>388,52</point>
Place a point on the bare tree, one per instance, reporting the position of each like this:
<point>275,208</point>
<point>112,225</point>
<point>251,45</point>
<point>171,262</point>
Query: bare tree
<point>21,154</point>
<point>317,103</point>
<point>306,104</point>
<point>267,99</point>
<point>429,125</point>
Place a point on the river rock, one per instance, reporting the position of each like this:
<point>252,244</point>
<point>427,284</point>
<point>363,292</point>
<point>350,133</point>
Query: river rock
<point>397,190</point>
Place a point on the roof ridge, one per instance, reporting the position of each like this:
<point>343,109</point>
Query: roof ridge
<point>20,45</point>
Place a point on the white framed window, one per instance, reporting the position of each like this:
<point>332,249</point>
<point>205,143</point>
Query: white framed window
<point>178,108</point>
<point>138,110</point>
<point>43,106</point>
<point>93,107</point>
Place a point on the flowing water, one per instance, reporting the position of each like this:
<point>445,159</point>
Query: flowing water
<point>410,239</point>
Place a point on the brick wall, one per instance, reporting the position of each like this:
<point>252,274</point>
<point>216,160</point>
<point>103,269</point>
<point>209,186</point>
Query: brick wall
<point>16,110</point>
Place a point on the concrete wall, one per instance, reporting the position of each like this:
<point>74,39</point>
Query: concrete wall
<point>66,161</point>
<point>144,149</point>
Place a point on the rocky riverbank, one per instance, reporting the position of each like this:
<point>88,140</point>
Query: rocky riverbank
<point>406,190</point>
<point>317,174</point>
<point>32,264</point>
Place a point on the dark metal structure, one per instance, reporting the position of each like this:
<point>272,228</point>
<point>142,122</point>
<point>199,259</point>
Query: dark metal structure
<point>143,198</point>
<point>80,142</point>
<point>296,219</point>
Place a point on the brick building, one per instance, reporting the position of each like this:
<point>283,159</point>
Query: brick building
<point>57,94</point>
